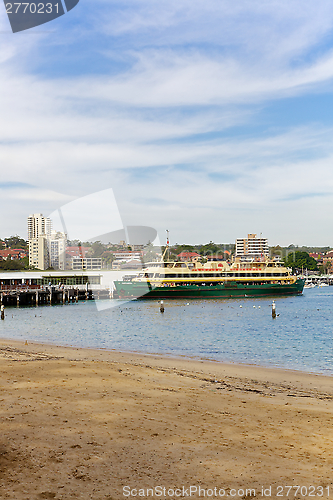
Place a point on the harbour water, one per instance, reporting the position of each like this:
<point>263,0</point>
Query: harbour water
<point>232,330</point>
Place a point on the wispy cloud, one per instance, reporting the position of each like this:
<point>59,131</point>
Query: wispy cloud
<point>173,115</point>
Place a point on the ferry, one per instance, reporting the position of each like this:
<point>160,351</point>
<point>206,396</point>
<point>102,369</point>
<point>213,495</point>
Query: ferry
<point>217,279</point>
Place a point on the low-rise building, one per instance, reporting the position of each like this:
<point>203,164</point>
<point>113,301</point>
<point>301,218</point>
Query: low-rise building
<point>328,259</point>
<point>125,256</point>
<point>187,256</point>
<point>93,263</point>
<point>13,254</point>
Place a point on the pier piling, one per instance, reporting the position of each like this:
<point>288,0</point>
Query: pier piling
<point>2,312</point>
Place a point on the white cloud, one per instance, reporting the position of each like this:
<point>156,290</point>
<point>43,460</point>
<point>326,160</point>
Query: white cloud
<point>199,68</point>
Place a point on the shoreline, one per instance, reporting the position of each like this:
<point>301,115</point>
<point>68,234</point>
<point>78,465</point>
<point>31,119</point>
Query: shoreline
<point>165,356</point>
<point>84,423</point>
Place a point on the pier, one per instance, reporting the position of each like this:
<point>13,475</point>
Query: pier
<point>33,288</point>
<point>35,295</point>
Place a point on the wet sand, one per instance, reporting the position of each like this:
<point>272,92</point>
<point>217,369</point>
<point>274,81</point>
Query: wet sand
<point>84,424</point>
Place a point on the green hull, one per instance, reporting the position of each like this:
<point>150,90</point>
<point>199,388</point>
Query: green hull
<point>131,290</point>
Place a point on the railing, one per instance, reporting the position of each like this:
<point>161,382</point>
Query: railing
<point>21,288</point>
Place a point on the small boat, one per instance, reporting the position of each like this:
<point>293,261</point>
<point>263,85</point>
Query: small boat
<point>322,284</point>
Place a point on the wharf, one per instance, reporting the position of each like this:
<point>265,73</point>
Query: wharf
<point>37,295</point>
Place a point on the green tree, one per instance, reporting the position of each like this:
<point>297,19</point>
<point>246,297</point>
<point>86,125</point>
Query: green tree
<point>16,242</point>
<point>11,265</point>
<point>210,249</point>
<point>301,260</point>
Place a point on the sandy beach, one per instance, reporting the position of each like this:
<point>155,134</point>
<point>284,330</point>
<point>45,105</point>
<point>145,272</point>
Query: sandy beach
<point>93,424</point>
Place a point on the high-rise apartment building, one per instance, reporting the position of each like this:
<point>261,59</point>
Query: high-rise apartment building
<point>38,226</point>
<point>252,248</point>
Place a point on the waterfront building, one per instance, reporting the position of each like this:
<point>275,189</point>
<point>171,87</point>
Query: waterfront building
<point>251,248</point>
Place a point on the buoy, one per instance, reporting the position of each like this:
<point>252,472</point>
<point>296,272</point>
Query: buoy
<point>240,306</point>
<point>162,307</point>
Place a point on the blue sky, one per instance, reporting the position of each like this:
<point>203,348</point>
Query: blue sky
<point>210,119</point>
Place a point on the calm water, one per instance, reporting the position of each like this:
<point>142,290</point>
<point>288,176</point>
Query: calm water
<point>301,337</point>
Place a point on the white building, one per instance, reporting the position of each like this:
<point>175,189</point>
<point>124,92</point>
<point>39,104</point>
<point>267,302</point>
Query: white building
<point>46,247</point>
<point>252,248</point>
<point>38,226</point>
<point>93,263</point>
<point>57,242</point>
<point>124,256</point>
<point>39,252</point>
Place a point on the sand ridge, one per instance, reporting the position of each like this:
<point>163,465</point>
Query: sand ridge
<point>80,423</point>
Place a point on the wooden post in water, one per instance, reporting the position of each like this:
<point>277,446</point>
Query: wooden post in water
<point>37,298</point>
<point>2,312</point>
<point>18,299</point>
<point>77,295</point>
<point>273,310</point>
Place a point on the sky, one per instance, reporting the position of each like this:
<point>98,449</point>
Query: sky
<point>212,119</point>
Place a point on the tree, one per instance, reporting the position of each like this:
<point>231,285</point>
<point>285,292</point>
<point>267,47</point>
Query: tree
<point>11,265</point>
<point>150,254</point>
<point>98,249</point>
<point>210,249</point>
<point>16,242</point>
<point>301,260</point>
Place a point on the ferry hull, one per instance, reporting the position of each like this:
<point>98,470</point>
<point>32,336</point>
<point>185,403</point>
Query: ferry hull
<point>131,290</point>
